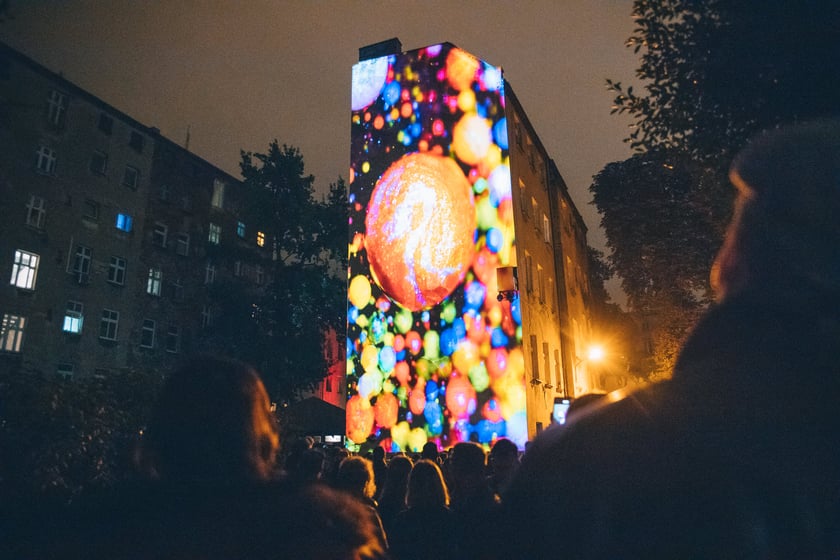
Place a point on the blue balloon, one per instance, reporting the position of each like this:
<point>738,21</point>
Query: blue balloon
<point>516,310</point>
<point>391,93</point>
<point>474,296</point>
<point>434,418</point>
<point>498,338</point>
<point>500,134</point>
<point>448,341</point>
<point>431,391</point>
<point>460,328</point>
<point>387,359</point>
<point>495,239</point>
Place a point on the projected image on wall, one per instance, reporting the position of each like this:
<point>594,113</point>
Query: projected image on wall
<point>432,355</point>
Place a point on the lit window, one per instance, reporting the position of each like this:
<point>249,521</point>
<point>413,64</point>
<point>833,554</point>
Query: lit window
<point>215,234</point>
<point>260,239</point>
<point>116,271</point>
<point>25,270</point>
<point>182,246</point>
<point>35,212</point>
<point>106,123</point>
<point>45,164</point>
<point>109,324</point>
<point>218,199</point>
<point>546,229</point>
<point>240,229</point>
<point>73,317</point>
<point>65,371</point>
<point>56,108</point>
<point>159,234</point>
<point>131,177</point>
<point>210,273</point>
<point>147,334</point>
<point>173,339</point>
<point>154,282</point>
<point>11,333</point>
<point>124,222</point>
<point>99,163</point>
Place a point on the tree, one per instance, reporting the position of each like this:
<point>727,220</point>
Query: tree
<point>280,328</point>
<point>714,72</point>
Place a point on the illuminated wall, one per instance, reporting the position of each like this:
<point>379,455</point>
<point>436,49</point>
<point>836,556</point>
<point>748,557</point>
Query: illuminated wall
<point>431,354</point>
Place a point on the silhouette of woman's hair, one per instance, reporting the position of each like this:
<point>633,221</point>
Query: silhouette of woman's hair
<point>212,421</point>
<point>426,487</point>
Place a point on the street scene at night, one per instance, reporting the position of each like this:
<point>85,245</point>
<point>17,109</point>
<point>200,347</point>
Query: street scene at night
<point>380,280</point>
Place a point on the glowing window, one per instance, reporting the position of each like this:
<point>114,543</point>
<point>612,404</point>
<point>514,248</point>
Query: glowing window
<point>73,317</point>
<point>240,229</point>
<point>24,270</point>
<point>154,282</point>
<point>260,239</point>
<point>215,235</point>
<point>125,222</point>
<point>11,333</point>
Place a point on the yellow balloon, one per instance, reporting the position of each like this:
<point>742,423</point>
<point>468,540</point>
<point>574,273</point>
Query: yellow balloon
<point>399,434</point>
<point>370,357</point>
<point>417,439</point>
<point>359,292</point>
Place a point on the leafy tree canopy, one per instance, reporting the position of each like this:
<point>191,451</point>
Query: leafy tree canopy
<point>713,73</point>
<point>280,327</point>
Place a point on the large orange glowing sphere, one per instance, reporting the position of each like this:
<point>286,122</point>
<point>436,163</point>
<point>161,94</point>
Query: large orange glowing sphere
<point>385,410</point>
<point>460,396</point>
<point>420,227</point>
<point>359,419</point>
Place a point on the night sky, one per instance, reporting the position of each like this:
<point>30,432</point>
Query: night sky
<point>241,74</point>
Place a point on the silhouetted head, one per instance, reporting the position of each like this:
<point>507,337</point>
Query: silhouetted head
<point>212,421</point>
<point>785,229</point>
<point>355,476</point>
<point>426,487</point>
<point>467,461</point>
<point>504,452</point>
<point>378,454</point>
<point>429,451</point>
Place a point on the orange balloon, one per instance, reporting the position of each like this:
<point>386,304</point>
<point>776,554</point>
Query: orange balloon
<point>385,410</point>
<point>460,396</point>
<point>417,398</point>
<point>359,419</point>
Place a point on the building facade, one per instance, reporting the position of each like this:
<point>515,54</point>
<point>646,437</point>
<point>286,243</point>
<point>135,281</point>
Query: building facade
<point>113,236</point>
<point>452,193</point>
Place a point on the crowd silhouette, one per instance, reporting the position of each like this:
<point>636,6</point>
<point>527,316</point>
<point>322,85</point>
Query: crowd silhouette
<point>734,457</point>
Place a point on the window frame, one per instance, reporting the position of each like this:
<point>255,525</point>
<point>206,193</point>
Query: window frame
<point>25,269</point>
<point>36,207</point>
<point>98,164</point>
<point>214,233</point>
<point>149,327</point>
<point>56,108</point>
<point>74,317</point>
<point>12,331</point>
<point>116,270</point>
<point>154,281</point>
<point>131,177</point>
<point>109,319</point>
<point>46,161</point>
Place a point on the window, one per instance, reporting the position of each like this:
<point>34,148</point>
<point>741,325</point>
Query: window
<point>154,282</point>
<point>99,163</point>
<point>135,140</point>
<point>125,222</point>
<point>24,270</point>
<point>259,275</point>
<point>260,239</point>
<point>109,323</point>
<point>35,212</point>
<point>56,108</point>
<point>173,339</point>
<point>546,229</point>
<point>131,177</point>
<point>45,164</point>
<point>210,273</point>
<point>11,333</point>
<point>535,364</point>
<point>240,229</point>
<point>535,211</point>
<point>159,234</point>
<point>182,246</point>
<point>529,273</point>
<point>218,200</point>
<point>206,317</point>
<point>164,193</point>
<point>106,123</point>
<point>541,283</point>
<point>147,334</point>
<point>116,271</point>
<point>90,210</point>
<point>81,262</point>
<point>73,317</point>
<point>215,234</point>
<point>522,199</point>
<point>237,268</point>
<point>546,361</point>
<point>65,371</point>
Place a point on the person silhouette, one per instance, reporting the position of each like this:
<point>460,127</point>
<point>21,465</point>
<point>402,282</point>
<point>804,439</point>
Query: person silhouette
<point>735,456</point>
